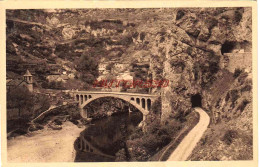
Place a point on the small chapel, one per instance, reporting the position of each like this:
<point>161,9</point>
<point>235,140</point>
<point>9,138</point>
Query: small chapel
<point>26,82</point>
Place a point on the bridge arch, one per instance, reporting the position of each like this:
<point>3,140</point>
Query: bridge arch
<point>137,100</point>
<point>149,104</point>
<point>142,102</point>
<point>142,110</point>
<point>81,99</point>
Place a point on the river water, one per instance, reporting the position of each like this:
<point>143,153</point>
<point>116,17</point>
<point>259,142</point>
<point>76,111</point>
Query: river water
<point>108,135</point>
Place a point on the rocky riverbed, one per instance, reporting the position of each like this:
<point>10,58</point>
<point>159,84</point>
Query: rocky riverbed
<point>45,145</point>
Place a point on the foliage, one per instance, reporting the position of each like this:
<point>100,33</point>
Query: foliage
<point>87,65</point>
<point>178,65</point>
<point>195,70</point>
<point>234,95</point>
<point>142,36</point>
<point>121,155</point>
<point>126,40</point>
<point>237,72</point>
<point>42,101</point>
<point>229,136</point>
<point>246,88</point>
<point>53,85</point>
<point>209,68</point>
<point>157,106</point>
<point>242,105</point>
<point>20,98</point>
<point>142,145</point>
<point>242,77</point>
<point>109,66</point>
<point>238,16</point>
<point>180,14</point>
<point>26,101</point>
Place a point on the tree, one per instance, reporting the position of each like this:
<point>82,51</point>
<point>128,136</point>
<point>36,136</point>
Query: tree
<point>109,66</point>
<point>88,66</point>
<point>20,98</point>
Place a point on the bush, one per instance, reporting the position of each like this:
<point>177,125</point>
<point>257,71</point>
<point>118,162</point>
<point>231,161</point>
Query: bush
<point>180,14</point>
<point>143,145</point>
<point>58,122</point>
<point>237,72</point>
<point>234,95</point>
<point>138,133</point>
<point>238,16</point>
<point>227,97</point>
<point>22,99</point>
<point>142,35</point>
<point>157,106</point>
<point>121,155</point>
<point>229,136</point>
<point>246,88</point>
<point>242,105</point>
<point>242,77</point>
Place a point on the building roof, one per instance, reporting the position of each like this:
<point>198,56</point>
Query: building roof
<point>15,82</point>
<point>27,73</point>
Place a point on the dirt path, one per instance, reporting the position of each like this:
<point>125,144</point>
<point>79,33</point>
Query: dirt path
<point>184,149</point>
<point>45,145</point>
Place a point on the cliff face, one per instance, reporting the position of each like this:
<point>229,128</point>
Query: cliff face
<point>198,53</point>
<point>192,50</point>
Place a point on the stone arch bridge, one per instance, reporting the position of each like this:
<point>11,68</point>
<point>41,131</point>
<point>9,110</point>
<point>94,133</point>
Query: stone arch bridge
<point>142,102</point>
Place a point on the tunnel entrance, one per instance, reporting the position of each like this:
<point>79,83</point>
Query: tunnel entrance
<point>196,100</point>
<point>228,47</point>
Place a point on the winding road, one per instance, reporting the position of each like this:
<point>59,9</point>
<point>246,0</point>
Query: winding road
<point>184,149</point>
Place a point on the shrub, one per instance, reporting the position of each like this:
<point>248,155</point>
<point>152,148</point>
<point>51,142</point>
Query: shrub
<point>246,88</point>
<point>227,97</point>
<point>157,106</point>
<point>180,14</point>
<point>44,84</point>
<point>234,95</point>
<point>138,133</point>
<point>229,136</point>
<point>211,22</point>
<point>237,72</point>
<point>238,16</point>
<point>242,77</point>
<point>177,63</point>
<point>242,105</point>
<point>121,155</point>
<point>142,35</point>
<point>109,67</point>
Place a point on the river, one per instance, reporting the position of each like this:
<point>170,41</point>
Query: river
<point>107,135</point>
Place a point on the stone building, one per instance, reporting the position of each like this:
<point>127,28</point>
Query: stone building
<point>26,82</point>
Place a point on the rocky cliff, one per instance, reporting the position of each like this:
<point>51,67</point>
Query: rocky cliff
<point>192,50</point>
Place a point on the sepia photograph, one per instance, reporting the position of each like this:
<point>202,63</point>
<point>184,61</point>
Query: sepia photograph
<point>129,84</point>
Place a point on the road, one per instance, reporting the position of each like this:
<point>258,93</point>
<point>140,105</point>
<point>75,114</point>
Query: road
<point>184,149</point>
<point>45,145</point>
